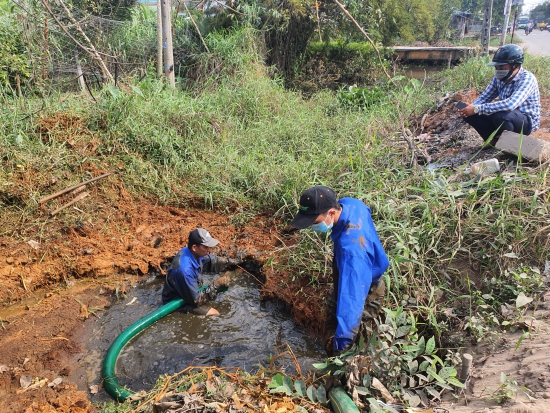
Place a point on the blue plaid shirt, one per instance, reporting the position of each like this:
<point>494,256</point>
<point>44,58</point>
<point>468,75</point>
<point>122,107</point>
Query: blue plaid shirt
<point>521,93</point>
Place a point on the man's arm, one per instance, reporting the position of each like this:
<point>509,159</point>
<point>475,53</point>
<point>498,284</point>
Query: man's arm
<point>212,264</point>
<point>524,88</point>
<point>187,286</point>
<point>355,277</point>
<point>489,94</point>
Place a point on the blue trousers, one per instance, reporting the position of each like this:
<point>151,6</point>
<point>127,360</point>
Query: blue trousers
<point>514,120</point>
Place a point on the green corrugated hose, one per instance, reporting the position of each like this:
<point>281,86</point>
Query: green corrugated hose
<point>341,402</point>
<point>110,382</point>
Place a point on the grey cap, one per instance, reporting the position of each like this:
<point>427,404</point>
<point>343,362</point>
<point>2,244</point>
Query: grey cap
<point>202,237</point>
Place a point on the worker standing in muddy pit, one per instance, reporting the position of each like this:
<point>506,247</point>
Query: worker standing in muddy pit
<point>358,264</point>
<point>518,106</point>
<point>185,275</point>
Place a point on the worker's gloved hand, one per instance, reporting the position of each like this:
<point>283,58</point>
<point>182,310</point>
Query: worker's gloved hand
<point>209,293</point>
<point>374,301</point>
<point>233,261</point>
<point>221,282</point>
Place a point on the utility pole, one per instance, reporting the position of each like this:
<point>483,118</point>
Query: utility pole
<point>514,26</point>
<point>167,43</point>
<point>507,9</point>
<point>159,38</point>
<point>486,31</point>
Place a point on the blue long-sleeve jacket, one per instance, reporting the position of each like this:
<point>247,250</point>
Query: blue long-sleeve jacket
<point>184,277</point>
<point>360,260</point>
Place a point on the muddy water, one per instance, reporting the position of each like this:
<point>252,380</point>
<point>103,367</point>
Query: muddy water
<point>422,72</point>
<point>245,334</point>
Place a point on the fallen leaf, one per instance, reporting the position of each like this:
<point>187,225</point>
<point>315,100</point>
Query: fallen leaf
<point>522,300</point>
<point>55,382</point>
<point>229,390</point>
<point>94,389</point>
<point>382,389</point>
<point>34,244</point>
<point>132,301</point>
<point>237,401</point>
<point>25,381</point>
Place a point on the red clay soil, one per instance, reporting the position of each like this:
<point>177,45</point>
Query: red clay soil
<point>47,291</point>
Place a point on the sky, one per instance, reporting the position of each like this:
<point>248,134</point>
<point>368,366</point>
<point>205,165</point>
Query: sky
<point>531,4</point>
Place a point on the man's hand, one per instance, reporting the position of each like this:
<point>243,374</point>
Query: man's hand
<point>212,311</point>
<point>467,111</point>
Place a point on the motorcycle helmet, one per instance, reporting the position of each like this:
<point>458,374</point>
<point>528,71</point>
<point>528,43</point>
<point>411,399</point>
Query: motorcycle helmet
<point>510,53</point>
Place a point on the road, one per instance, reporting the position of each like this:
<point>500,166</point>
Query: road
<point>537,43</point>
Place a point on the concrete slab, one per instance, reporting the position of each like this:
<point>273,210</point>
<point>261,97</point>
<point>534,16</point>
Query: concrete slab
<point>532,149</point>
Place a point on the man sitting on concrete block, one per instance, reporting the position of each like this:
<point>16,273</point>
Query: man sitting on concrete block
<point>518,107</point>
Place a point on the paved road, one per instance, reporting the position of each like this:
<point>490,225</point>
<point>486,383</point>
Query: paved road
<point>537,43</point>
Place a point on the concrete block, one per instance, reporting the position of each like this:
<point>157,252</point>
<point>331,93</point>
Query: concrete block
<point>532,149</point>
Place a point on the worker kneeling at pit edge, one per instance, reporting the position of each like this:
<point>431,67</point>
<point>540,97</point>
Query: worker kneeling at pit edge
<point>358,264</point>
<point>518,106</point>
<point>184,277</point>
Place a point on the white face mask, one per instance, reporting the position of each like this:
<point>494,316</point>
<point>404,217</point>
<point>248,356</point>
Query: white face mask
<point>501,74</point>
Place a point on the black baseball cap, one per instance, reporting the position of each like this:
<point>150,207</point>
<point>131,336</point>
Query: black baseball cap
<point>200,236</point>
<point>314,202</point>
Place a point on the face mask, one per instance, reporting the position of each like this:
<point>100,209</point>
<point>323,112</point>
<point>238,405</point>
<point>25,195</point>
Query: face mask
<point>322,226</point>
<point>501,74</point>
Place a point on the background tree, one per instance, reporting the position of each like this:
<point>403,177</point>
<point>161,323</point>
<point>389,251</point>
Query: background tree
<point>541,12</point>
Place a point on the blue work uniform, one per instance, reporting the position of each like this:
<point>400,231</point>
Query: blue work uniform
<point>184,277</point>
<point>360,260</point>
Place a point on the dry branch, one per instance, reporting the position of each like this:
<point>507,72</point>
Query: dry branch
<point>69,189</point>
<point>196,27</point>
<point>68,204</point>
<point>91,49</point>
<point>347,13</point>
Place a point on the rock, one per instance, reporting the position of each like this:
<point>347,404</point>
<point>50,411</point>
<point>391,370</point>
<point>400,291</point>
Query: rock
<point>532,149</point>
<point>9,260</point>
<point>546,395</point>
